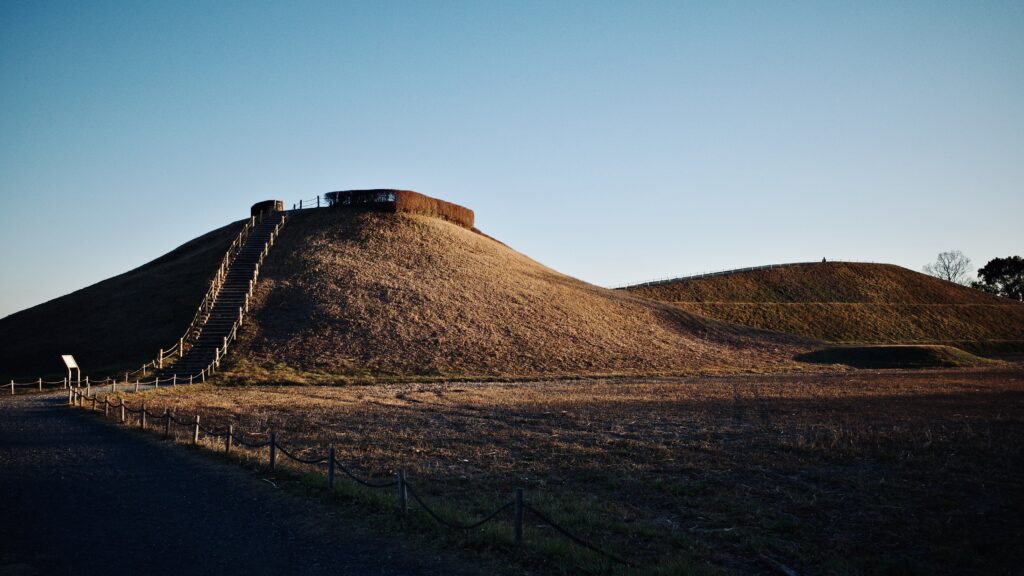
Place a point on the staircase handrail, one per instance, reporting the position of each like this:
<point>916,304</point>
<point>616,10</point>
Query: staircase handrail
<point>217,281</point>
<point>214,365</point>
<point>211,293</point>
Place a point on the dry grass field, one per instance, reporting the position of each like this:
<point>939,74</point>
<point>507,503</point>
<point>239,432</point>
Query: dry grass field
<point>861,472</point>
<point>974,327</point>
<point>853,303</point>
<point>349,293</point>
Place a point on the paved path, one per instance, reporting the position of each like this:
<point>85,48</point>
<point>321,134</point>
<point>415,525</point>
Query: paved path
<point>79,496</point>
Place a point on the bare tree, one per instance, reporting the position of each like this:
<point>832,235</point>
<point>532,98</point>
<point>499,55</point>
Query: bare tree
<point>952,266</point>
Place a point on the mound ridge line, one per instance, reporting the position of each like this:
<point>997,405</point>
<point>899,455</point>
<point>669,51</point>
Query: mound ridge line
<point>851,302</point>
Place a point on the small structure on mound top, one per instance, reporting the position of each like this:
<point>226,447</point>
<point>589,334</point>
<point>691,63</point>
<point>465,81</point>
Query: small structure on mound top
<point>266,207</point>
<point>391,200</point>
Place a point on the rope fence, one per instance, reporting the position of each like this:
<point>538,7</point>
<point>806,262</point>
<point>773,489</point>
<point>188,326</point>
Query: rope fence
<point>518,505</point>
<point>37,385</point>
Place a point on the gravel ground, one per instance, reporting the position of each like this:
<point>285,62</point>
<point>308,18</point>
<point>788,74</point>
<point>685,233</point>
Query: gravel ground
<point>79,496</point>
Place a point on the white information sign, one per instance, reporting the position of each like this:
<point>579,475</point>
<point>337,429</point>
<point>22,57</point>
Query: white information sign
<point>69,361</point>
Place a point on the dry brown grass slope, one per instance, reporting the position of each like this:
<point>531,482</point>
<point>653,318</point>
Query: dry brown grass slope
<point>355,293</point>
<point>850,282</point>
<point>119,322</point>
<point>852,303</point>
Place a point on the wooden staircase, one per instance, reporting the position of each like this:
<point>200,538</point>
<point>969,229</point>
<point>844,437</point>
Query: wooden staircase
<point>219,318</point>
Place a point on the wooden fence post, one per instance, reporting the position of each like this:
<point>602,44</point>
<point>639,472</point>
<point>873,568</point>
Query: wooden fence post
<point>181,347</point>
<point>70,396</point>
<point>113,388</point>
<point>330,468</point>
<point>519,517</point>
<point>40,384</point>
<point>157,381</point>
<point>273,449</point>
<point>136,384</point>
<point>106,407</point>
<point>167,422</point>
<point>66,382</point>
<point>189,378</point>
<point>93,407</point>
<point>202,375</point>
<point>195,432</point>
<point>227,439</point>
<point>122,411</point>
<point>174,379</point>
<point>161,358</point>
<point>403,495</point>
<point>12,387</point>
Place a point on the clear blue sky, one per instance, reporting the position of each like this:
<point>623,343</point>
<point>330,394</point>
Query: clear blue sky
<point>614,141</point>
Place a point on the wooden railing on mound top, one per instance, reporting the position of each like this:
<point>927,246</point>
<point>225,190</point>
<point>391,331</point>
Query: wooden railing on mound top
<point>389,200</point>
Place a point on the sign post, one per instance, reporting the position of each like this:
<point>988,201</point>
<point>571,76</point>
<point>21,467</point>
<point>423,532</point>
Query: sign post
<point>69,361</point>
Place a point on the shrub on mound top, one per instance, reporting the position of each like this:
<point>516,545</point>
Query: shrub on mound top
<point>388,200</point>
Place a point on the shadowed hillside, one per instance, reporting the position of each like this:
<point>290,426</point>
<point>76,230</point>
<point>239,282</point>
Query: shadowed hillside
<point>852,302</point>
<point>353,293</point>
<point>119,322</point>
